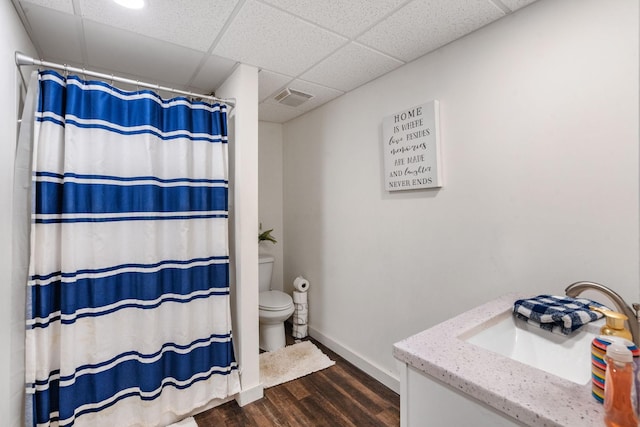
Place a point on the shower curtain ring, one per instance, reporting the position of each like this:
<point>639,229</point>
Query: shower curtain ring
<point>66,71</point>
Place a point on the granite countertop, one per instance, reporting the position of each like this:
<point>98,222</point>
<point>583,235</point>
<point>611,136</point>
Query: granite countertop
<point>529,395</point>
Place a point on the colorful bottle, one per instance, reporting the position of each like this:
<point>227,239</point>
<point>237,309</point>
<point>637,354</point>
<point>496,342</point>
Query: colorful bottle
<point>599,365</point>
<point>619,396</point>
<point>614,326</point>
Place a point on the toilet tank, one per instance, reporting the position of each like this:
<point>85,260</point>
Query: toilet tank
<point>265,271</point>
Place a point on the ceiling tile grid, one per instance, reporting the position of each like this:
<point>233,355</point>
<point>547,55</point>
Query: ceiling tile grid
<point>270,83</point>
<point>350,67</point>
<point>60,5</point>
<point>324,48</point>
<point>424,25</point>
<point>269,38</point>
<point>277,113</point>
<point>517,4</point>
<point>212,74</point>
<point>345,17</point>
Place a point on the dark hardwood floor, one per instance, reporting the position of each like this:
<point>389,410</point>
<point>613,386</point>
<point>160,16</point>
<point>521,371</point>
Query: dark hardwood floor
<point>341,395</point>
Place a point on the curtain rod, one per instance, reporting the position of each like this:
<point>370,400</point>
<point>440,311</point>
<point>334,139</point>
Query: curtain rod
<point>22,59</point>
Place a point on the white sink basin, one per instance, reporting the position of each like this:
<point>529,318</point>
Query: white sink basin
<point>568,357</point>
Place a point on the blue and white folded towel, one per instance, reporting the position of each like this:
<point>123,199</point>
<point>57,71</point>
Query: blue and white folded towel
<point>561,315</point>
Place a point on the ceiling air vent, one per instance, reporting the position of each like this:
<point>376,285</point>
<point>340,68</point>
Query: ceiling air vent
<point>292,97</point>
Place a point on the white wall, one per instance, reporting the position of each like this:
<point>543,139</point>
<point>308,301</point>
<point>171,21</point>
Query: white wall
<point>539,126</point>
<point>270,194</point>
<point>12,38</point>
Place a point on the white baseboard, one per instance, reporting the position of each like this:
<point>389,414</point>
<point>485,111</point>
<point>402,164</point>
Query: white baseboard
<point>250,395</point>
<point>357,360</point>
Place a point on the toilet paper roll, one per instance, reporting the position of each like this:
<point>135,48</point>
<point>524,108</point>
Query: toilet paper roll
<point>299,320</point>
<point>301,309</point>
<point>301,284</point>
<point>299,297</point>
<point>300,315</point>
<point>299,331</point>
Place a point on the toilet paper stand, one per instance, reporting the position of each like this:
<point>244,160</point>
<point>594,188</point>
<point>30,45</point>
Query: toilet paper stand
<point>301,307</point>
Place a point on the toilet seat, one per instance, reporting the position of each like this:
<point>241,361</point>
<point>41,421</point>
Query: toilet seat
<point>274,301</point>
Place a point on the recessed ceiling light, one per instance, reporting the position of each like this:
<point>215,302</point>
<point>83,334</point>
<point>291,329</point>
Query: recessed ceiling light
<point>131,4</point>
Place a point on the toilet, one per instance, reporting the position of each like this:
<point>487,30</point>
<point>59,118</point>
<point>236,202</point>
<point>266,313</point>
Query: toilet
<point>274,308</point>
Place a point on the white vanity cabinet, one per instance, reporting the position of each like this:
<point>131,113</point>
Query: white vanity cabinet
<point>446,381</point>
<point>427,402</point>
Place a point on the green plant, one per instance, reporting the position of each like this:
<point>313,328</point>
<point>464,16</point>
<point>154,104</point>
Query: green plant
<point>266,235</point>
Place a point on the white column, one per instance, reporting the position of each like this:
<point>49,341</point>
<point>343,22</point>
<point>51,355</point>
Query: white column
<point>243,230</point>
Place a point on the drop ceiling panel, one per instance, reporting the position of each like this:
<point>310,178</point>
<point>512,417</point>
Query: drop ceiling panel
<point>424,25</point>
<point>60,5</point>
<point>346,17</point>
<point>213,73</point>
<point>517,4</point>
<point>270,82</point>
<point>350,67</point>
<point>66,46</point>
<point>323,47</point>
<point>193,23</point>
<point>277,113</point>
<point>131,53</point>
<point>266,37</point>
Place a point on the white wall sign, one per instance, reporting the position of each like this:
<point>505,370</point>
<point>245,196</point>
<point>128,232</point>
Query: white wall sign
<point>412,148</point>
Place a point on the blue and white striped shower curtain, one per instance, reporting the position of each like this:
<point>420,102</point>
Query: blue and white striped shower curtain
<point>128,312</point>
